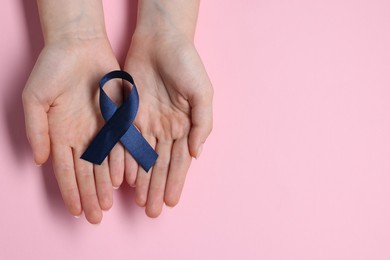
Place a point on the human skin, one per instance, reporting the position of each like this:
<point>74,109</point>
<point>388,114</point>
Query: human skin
<point>175,113</point>
<point>60,103</point>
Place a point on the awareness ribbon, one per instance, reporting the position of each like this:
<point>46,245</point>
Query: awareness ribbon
<point>119,127</point>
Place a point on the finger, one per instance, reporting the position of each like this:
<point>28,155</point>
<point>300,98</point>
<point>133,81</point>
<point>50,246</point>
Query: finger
<point>116,162</point>
<point>103,185</point>
<point>143,179</point>
<point>131,168</point>
<point>37,128</point>
<point>180,162</point>
<point>86,183</point>
<point>64,171</point>
<point>202,122</point>
<point>159,175</point>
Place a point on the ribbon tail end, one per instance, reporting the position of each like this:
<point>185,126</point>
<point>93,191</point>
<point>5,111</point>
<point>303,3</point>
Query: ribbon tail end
<point>91,159</point>
<point>150,163</point>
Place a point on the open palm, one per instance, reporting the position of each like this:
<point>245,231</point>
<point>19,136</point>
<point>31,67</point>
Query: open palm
<point>174,115</point>
<point>62,116</point>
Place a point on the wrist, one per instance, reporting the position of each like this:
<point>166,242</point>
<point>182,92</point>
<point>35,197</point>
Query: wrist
<point>161,30</point>
<point>82,49</point>
<point>160,37</point>
<point>66,20</point>
<point>167,17</point>
<point>73,36</point>
<point>151,44</point>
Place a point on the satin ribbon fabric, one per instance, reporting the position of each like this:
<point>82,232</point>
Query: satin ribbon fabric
<point>119,127</point>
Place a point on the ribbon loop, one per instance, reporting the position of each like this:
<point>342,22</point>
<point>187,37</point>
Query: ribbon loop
<point>119,127</point>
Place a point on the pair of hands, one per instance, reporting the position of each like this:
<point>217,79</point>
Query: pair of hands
<point>62,116</point>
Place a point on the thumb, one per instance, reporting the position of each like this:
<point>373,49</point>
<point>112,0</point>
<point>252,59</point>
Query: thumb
<point>37,128</point>
<point>202,123</point>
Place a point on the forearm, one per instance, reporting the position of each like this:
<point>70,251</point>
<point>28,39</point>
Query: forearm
<point>77,19</point>
<point>167,16</point>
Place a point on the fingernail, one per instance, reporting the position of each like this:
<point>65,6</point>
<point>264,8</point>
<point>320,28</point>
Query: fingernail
<point>115,188</point>
<point>199,151</point>
<point>78,216</point>
<point>38,165</point>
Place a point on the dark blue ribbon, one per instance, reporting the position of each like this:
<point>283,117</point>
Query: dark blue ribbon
<point>119,127</point>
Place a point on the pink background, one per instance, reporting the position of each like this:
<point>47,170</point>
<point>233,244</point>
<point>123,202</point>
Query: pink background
<point>298,163</point>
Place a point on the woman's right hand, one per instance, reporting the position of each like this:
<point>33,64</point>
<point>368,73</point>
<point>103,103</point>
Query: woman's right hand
<point>62,116</point>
